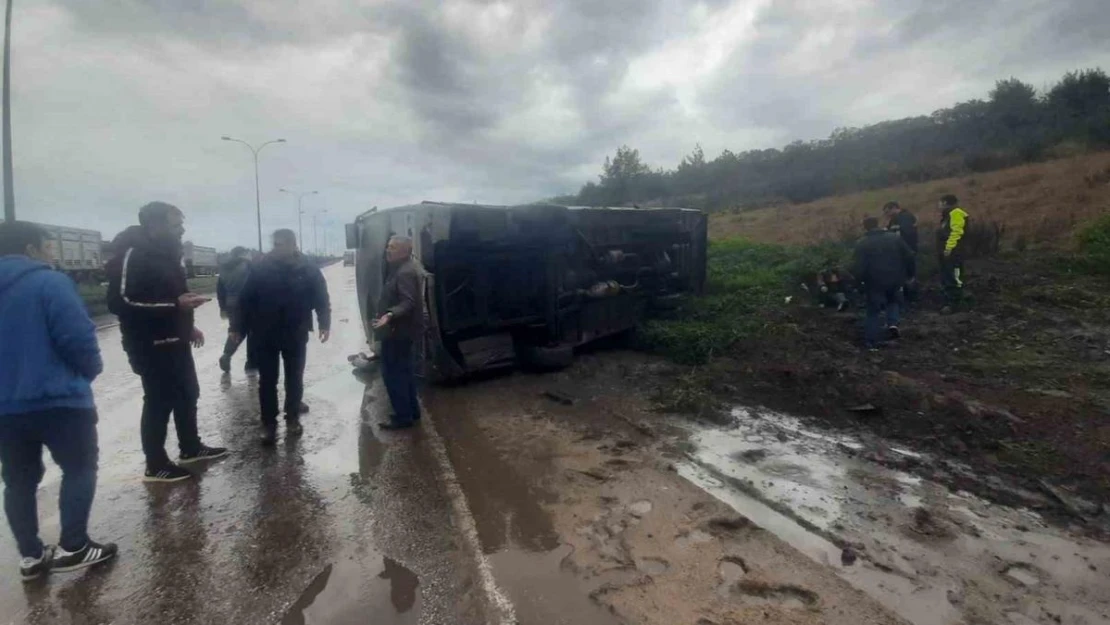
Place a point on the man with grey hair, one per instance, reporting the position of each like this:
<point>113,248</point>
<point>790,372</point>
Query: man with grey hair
<point>275,309</point>
<point>400,327</point>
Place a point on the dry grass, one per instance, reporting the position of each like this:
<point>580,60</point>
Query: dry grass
<point>1041,206</point>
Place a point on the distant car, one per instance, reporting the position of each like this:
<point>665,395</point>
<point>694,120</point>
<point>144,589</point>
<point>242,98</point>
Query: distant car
<point>349,258</point>
<point>529,284</point>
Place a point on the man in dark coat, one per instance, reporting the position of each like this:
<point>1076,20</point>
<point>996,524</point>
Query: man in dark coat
<point>904,223</point>
<point>233,277</point>
<point>276,309</point>
<point>401,329</point>
<point>883,265</point>
<point>147,290</point>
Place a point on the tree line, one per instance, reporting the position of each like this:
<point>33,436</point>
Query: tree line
<point>1015,124</point>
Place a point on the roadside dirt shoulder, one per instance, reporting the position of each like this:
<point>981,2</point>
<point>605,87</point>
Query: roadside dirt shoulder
<point>641,542</point>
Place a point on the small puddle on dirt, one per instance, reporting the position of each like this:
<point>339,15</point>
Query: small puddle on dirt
<point>348,594</point>
<point>932,556</point>
<point>543,592</point>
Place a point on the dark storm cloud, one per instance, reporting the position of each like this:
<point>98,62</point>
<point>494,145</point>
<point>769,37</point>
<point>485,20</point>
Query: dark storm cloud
<point>389,101</point>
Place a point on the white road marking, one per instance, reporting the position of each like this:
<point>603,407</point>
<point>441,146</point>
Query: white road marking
<point>495,597</point>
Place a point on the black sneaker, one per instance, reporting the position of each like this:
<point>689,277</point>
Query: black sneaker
<point>225,363</point>
<point>894,332</point>
<point>31,568</point>
<point>303,408</point>
<point>268,435</point>
<point>293,427</point>
<point>90,554</point>
<point>250,369</point>
<point>205,453</point>
<point>168,473</point>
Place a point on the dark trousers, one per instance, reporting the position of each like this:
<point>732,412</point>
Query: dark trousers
<point>232,346</point>
<point>400,379</point>
<point>169,387</point>
<point>70,435</point>
<point>878,300</point>
<point>292,353</point>
<point>952,279</point>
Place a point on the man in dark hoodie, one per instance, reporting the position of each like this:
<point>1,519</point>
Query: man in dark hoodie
<point>147,290</point>
<point>233,277</point>
<point>276,310</point>
<point>48,359</point>
<point>883,265</point>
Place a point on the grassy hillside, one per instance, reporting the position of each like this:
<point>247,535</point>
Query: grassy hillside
<point>1041,206</point>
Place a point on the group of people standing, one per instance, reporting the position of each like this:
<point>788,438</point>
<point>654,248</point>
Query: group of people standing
<point>885,265</point>
<point>50,357</point>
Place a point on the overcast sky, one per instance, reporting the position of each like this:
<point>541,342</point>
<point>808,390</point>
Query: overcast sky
<point>395,101</point>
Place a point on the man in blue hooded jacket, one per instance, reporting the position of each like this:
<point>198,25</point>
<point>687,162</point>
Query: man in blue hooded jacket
<point>48,358</point>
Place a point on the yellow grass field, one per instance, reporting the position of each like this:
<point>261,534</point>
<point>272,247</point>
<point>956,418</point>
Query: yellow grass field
<point>1042,204</point>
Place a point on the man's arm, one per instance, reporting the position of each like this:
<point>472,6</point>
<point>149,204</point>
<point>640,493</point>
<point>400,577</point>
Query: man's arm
<point>321,302</point>
<point>72,333</point>
<point>957,220</point>
<point>908,258</point>
<point>128,292</point>
<point>241,321</point>
<point>221,293</point>
<point>408,292</point>
<point>859,264</point>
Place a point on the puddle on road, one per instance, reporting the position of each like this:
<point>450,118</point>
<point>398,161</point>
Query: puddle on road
<point>932,556</point>
<point>345,593</point>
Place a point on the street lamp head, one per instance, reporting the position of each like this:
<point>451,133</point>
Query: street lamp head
<point>280,141</point>
<point>226,138</point>
<point>284,191</point>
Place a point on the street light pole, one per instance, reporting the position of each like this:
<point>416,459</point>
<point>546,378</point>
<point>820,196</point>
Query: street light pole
<point>257,191</point>
<point>9,190</point>
<point>300,212</point>
<point>316,241</point>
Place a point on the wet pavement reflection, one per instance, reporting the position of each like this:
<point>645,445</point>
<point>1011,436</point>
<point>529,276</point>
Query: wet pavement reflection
<point>346,525</point>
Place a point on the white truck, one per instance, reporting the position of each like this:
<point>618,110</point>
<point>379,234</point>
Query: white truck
<point>200,260</point>
<point>75,251</point>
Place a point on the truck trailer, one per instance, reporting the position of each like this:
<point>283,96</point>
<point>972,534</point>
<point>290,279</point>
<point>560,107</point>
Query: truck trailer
<point>527,285</point>
<point>75,251</point>
<point>200,260</point>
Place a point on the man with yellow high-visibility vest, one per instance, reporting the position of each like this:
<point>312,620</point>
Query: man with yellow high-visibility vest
<point>950,250</point>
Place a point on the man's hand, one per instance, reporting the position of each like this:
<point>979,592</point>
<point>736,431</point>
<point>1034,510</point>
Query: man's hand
<point>198,338</point>
<point>189,301</point>
<point>383,321</point>
<point>325,335</point>
<point>223,314</point>
<point>947,253</point>
<point>234,337</point>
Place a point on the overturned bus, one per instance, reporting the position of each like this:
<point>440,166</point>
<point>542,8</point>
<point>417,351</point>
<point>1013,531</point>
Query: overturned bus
<point>528,284</point>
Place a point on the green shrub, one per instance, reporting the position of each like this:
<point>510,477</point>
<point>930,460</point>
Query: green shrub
<point>1094,246</point>
<point>745,289</point>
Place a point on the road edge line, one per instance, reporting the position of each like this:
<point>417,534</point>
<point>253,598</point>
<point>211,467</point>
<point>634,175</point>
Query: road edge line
<point>495,597</point>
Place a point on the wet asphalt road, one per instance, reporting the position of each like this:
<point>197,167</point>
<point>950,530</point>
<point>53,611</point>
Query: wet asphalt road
<point>346,525</point>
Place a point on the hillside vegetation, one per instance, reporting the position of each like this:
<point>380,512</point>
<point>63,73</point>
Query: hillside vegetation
<point>1040,206</point>
<point>1016,124</point>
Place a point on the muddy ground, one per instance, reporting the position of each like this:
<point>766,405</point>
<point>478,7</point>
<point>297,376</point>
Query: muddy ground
<point>1017,386</point>
<point>609,510</point>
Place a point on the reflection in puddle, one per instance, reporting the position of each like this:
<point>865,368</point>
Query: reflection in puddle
<point>932,556</point>
<point>347,594</point>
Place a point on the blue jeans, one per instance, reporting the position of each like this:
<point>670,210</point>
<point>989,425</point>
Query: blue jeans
<point>400,379</point>
<point>877,300</point>
<point>70,435</point>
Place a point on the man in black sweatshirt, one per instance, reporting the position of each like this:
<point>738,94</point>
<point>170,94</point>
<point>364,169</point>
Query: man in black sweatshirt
<point>276,308</point>
<point>147,290</point>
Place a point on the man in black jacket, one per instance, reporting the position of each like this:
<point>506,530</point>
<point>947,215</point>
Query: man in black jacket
<point>233,277</point>
<point>276,310</point>
<point>147,290</point>
<point>904,223</point>
<point>883,264</point>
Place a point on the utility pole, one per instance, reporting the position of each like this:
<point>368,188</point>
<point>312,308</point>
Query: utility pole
<point>257,192</point>
<point>9,180</point>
